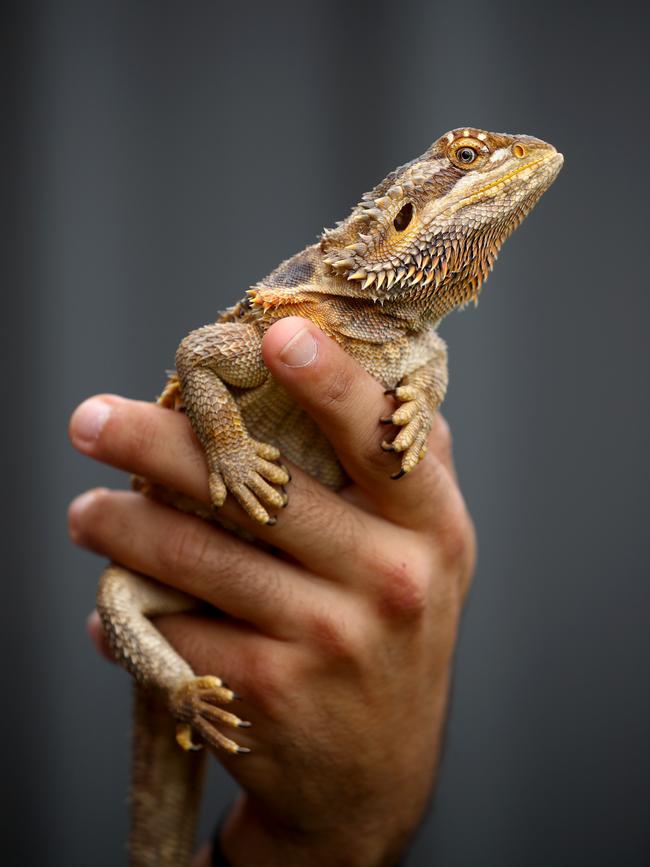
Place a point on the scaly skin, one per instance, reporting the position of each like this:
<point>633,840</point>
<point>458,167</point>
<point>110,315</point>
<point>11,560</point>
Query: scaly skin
<point>416,247</point>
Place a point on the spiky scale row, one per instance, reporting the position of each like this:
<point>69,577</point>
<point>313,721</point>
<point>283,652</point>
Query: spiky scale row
<point>421,268</point>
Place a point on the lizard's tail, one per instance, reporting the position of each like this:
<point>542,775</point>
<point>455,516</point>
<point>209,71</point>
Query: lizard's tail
<point>166,788</point>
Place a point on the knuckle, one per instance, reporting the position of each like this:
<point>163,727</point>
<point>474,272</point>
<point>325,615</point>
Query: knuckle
<point>402,587</point>
<point>453,544</point>
<point>338,388</point>
<point>271,587</point>
<point>374,456</point>
<point>266,683</point>
<point>441,435</point>
<point>332,636</point>
<point>454,538</point>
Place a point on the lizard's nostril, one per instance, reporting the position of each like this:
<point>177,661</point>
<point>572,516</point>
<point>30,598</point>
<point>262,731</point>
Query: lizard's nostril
<point>519,150</point>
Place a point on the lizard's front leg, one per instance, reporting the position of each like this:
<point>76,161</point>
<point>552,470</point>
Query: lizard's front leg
<point>208,360</point>
<point>419,393</point>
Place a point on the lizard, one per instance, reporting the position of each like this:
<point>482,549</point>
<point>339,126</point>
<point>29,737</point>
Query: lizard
<point>418,245</point>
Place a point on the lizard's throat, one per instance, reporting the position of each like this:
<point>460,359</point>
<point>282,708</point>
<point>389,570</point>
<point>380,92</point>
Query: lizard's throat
<point>446,275</point>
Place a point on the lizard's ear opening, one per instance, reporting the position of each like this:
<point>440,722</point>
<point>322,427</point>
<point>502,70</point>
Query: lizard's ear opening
<point>403,217</point>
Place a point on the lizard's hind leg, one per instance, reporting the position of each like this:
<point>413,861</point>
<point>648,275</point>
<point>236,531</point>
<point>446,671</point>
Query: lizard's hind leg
<point>169,700</point>
<point>126,603</point>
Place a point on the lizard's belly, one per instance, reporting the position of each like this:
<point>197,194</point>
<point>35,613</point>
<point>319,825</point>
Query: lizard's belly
<point>272,416</point>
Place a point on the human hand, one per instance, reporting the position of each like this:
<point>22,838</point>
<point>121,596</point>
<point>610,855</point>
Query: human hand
<point>341,644</point>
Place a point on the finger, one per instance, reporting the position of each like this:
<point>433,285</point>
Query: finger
<point>141,437</point>
<point>197,558</point>
<point>158,444</point>
<point>347,402</point>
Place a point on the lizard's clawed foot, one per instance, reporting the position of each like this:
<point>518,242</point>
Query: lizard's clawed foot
<point>249,473</point>
<point>414,416</point>
<point>196,704</point>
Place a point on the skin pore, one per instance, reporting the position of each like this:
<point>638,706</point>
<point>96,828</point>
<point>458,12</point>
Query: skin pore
<point>340,644</point>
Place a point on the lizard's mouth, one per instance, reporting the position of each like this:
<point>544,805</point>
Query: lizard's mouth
<point>508,177</point>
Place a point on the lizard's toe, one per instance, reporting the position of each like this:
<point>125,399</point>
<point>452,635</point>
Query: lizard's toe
<point>250,476</point>
<point>406,393</point>
<point>412,456</point>
<point>266,492</point>
<point>409,434</point>
<point>414,417</point>
<point>275,473</point>
<point>265,450</point>
<point>250,504</point>
<point>211,735</point>
<point>405,413</point>
<point>206,688</point>
<point>217,489</point>
<point>197,705</point>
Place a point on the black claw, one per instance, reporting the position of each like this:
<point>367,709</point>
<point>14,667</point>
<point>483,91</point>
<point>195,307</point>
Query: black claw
<point>286,469</point>
<point>389,391</point>
<point>236,696</point>
<point>242,751</point>
<point>398,475</point>
<point>272,521</point>
<point>387,447</point>
<point>387,420</point>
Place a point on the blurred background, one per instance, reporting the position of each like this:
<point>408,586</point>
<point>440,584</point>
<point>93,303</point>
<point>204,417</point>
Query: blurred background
<point>162,156</point>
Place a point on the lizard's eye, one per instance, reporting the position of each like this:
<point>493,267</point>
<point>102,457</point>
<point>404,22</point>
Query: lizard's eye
<point>468,152</point>
<point>466,155</point>
<point>404,217</point>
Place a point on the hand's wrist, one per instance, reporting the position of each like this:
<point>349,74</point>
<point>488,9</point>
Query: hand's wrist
<point>250,838</point>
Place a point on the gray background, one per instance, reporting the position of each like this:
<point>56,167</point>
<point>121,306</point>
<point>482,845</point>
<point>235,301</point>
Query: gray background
<point>163,156</point>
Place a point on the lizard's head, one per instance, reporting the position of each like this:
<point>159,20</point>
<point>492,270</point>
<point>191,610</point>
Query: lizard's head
<point>434,226</point>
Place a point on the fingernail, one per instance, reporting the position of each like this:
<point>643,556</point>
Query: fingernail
<point>301,350</point>
<point>88,420</point>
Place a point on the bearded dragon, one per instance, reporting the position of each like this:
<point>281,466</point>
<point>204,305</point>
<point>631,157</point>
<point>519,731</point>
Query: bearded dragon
<point>417,246</point>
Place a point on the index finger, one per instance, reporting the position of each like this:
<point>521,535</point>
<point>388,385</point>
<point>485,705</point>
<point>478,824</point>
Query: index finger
<point>347,403</point>
<point>157,444</point>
